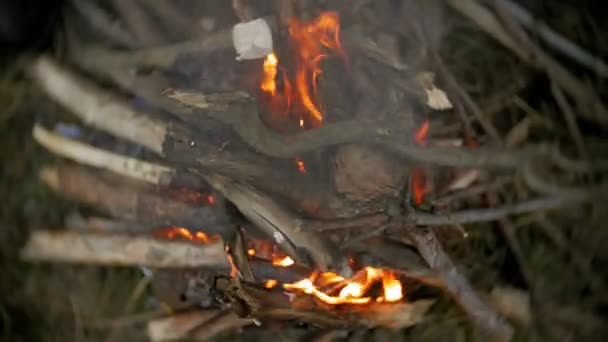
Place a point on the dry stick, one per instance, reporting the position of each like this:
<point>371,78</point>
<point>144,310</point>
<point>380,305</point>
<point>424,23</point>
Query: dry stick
<point>554,39</point>
<point>466,98</point>
<point>493,214</point>
<point>483,315</point>
<point>96,107</point>
<point>134,201</point>
<point>173,19</point>
<point>161,57</point>
<point>139,23</point>
<point>72,149</point>
<point>588,101</point>
<point>570,117</point>
<point>103,24</point>
<point>121,250</point>
<point>285,228</point>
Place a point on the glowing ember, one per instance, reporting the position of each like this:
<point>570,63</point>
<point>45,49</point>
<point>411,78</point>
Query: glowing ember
<point>420,136</point>
<point>270,73</point>
<point>234,271</point>
<point>393,292</point>
<point>211,199</point>
<point>183,233</point>
<point>282,261</point>
<point>301,166</point>
<point>251,252</point>
<point>420,185</point>
<point>310,40</point>
<point>271,283</point>
<point>354,290</point>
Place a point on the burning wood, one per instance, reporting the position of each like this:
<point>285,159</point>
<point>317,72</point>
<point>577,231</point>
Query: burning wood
<point>308,213</point>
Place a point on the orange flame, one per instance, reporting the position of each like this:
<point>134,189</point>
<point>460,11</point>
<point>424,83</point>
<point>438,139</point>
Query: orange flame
<point>271,283</point>
<point>270,73</point>
<point>183,233</point>
<point>354,290</point>
<point>282,261</point>
<point>309,42</point>
<point>420,136</point>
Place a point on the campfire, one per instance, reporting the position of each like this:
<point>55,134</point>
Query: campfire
<point>301,181</point>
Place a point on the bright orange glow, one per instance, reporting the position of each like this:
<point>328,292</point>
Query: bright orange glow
<point>420,137</point>
<point>393,291</point>
<point>234,271</point>
<point>308,287</point>
<point>270,73</point>
<point>183,233</point>
<point>354,290</point>
<point>271,283</point>
<point>282,261</point>
<point>301,122</point>
<point>310,42</point>
<point>251,252</point>
<point>420,186</point>
<point>301,166</point>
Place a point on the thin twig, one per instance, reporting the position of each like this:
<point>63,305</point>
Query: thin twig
<point>554,39</point>
<point>570,117</point>
<point>587,100</point>
<point>484,316</point>
<point>493,214</point>
<point>467,100</point>
<point>103,23</point>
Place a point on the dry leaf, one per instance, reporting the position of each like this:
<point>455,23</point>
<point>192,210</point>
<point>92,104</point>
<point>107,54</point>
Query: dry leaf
<point>436,98</point>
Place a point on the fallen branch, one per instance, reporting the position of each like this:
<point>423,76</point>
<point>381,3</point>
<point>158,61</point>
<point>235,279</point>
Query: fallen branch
<point>121,250</point>
<point>457,285</point>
